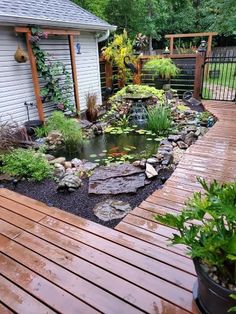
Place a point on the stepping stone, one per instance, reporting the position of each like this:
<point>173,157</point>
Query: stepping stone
<point>111,209</point>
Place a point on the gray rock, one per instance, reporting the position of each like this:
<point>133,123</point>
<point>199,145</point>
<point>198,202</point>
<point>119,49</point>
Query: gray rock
<point>182,145</point>
<point>54,138</point>
<point>153,161</point>
<point>59,171</point>
<point>201,131</point>
<point>85,124</point>
<point>175,138</point>
<point>49,157</point>
<point>143,163</point>
<point>165,142</point>
<point>69,183</point>
<point>76,162</point>
<point>118,185</point>
<point>168,159</point>
<point>164,149</point>
<point>150,171</point>
<point>111,209</point>
<point>59,160</point>
<point>190,138</point>
<point>114,170</point>
<point>88,166</point>
<point>136,163</point>
<point>191,128</point>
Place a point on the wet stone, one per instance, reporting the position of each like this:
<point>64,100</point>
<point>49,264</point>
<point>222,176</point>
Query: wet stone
<point>111,209</point>
<point>118,185</point>
<point>69,183</point>
<point>182,145</point>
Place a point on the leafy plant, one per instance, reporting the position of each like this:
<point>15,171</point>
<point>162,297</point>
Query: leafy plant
<point>58,84</point>
<point>138,90</point>
<point>212,239</point>
<point>233,309</point>
<point>158,119</point>
<point>25,163</point>
<point>162,67</point>
<point>116,51</point>
<point>69,128</point>
<point>123,122</point>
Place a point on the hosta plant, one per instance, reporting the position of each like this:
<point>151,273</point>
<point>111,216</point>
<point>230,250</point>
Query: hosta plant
<point>208,228</point>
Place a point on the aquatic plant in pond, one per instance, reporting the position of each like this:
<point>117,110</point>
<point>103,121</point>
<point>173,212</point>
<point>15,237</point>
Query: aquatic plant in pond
<point>115,146</point>
<point>159,120</point>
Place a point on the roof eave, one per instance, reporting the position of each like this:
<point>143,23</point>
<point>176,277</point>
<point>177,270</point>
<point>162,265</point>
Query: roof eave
<point>13,20</point>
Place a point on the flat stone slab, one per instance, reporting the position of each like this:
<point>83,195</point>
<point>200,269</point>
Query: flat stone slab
<point>111,209</point>
<point>114,170</point>
<point>118,185</point>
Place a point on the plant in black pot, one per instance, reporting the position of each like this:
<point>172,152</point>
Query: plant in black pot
<point>162,70</point>
<point>207,226</point>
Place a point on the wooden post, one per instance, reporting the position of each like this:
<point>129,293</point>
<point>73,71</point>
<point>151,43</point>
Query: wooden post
<point>108,74</point>
<point>74,73</point>
<point>137,78</point>
<point>209,44</point>
<point>198,75</point>
<point>171,45</point>
<point>35,78</point>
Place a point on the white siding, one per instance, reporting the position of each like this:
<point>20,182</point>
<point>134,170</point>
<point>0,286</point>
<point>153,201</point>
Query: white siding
<point>16,85</point>
<point>87,64</point>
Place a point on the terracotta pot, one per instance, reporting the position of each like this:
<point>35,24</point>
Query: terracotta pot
<point>92,115</point>
<point>210,297</point>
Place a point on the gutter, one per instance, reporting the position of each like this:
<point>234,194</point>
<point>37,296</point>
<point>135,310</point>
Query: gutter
<point>13,20</point>
<point>103,37</point>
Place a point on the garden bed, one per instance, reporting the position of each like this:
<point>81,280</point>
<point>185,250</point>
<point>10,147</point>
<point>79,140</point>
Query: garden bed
<point>102,170</point>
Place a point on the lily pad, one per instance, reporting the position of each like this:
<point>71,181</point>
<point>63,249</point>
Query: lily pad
<point>93,156</point>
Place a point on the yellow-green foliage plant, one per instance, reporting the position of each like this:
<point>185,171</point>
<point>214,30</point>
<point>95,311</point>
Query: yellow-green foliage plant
<point>116,51</point>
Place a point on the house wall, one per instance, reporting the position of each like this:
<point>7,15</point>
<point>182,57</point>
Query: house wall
<point>16,84</point>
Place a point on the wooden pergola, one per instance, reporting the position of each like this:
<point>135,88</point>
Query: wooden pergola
<point>70,34</point>
<point>206,34</point>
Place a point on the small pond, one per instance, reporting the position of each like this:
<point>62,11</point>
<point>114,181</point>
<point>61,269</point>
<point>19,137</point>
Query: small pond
<point>108,147</point>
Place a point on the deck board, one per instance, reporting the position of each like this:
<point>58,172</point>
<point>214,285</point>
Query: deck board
<point>52,261</point>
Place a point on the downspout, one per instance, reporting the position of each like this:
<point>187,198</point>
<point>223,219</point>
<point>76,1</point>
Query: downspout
<point>103,37</point>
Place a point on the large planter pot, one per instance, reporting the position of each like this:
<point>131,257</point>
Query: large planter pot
<point>159,82</point>
<point>209,296</point>
<point>92,115</point>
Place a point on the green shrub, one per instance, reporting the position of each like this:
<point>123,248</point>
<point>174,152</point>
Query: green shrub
<point>162,67</point>
<point>138,90</point>
<point>158,119</point>
<point>70,129</point>
<point>212,239</point>
<point>25,163</point>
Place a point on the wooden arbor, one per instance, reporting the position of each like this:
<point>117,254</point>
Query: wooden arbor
<point>70,34</point>
<point>207,34</point>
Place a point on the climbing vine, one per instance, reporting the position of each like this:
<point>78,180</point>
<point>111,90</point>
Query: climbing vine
<point>58,84</point>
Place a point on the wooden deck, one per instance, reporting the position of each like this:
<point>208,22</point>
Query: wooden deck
<point>55,262</point>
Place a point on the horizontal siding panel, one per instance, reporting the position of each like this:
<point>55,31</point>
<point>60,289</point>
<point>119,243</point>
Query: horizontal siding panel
<point>16,84</point>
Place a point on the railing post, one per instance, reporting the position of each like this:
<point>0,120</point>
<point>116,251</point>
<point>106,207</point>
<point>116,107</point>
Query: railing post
<point>198,75</point>
<point>137,78</point>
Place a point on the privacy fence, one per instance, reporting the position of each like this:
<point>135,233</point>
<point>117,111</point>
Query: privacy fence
<point>189,78</point>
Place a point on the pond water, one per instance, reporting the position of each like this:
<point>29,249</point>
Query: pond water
<point>113,147</point>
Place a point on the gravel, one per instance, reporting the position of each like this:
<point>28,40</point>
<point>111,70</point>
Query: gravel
<point>80,202</point>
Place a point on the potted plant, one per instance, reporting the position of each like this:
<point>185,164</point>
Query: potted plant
<point>207,226</point>
<point>162,69</point>
<point>92,111</point>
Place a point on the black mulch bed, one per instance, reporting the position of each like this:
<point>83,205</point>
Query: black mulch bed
<point>80,202</point>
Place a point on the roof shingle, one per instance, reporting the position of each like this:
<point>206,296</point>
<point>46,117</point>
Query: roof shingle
<point>50,12</point>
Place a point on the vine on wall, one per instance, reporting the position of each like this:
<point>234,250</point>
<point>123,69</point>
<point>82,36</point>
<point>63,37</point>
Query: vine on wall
<point>58,83</point>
